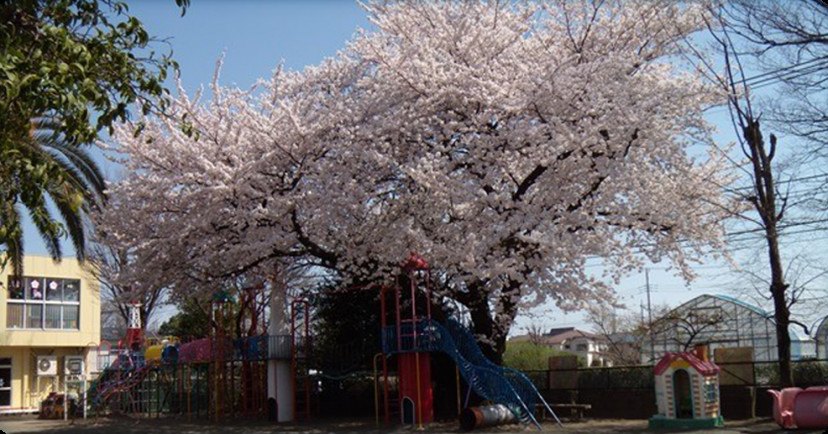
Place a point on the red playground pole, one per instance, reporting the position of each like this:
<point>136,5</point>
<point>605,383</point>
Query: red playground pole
<point>414,367</point>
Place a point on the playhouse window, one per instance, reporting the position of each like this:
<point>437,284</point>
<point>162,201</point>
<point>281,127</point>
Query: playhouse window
<point>711,392</point>
<point>43,303</point>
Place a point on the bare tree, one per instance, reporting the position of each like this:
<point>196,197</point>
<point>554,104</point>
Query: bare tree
<point>535,333</point>
<point>686,329</point>
<point>623,333</point>
<point>767,205</point>
<point>790,41</point>
<point>108,264</point>
<point>806,278</point>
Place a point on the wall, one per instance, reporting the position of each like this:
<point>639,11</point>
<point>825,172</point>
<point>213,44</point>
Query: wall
<point>90,308</point>
<point>24,374</point>
<point>20,370</point>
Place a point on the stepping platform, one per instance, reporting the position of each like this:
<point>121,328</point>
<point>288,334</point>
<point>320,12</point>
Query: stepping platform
<point>659,421</point>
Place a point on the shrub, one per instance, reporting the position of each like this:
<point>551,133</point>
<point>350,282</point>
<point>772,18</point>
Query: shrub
<point>527,356</point>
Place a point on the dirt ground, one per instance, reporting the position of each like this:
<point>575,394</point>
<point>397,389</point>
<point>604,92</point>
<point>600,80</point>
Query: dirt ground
<point>22,424</point>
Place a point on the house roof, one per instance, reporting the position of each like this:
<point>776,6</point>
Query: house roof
<point>704,368</point>
<point>558,330</point>
<point>570,333</point>
<point>558,336</point>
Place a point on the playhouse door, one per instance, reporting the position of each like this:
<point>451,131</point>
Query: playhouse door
<point>684,395</point>
<point>408,411</point>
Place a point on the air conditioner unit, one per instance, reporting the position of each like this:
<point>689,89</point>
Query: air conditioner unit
<point>73,365</point>
<point>46,366</point>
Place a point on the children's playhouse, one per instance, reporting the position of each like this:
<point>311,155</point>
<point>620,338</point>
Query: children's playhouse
<point>687,391</point>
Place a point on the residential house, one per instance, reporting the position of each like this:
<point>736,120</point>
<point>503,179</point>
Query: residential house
<point>588,347</point>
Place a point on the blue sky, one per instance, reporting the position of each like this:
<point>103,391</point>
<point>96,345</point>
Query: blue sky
<point>255,36</point>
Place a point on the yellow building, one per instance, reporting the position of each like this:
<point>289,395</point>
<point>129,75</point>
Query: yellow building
<point>53,313</point>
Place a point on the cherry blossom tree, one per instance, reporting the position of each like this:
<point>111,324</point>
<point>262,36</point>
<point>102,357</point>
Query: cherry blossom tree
<point>507,143</point>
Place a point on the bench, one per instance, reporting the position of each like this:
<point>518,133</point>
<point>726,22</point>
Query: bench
<point>576,411</point>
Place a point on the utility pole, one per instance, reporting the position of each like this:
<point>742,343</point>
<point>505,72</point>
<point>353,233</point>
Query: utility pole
<point>649,313</point>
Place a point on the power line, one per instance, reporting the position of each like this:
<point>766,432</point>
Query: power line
<point>780,227</point>
<point>786,181</point>
<point>640,250</point>
<point>785,68</point>
<point>790,74</point>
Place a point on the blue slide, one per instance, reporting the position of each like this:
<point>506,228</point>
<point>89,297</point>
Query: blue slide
<point>492,382</point>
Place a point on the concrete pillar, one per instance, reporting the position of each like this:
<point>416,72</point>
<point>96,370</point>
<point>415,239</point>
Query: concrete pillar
<point>284,390</point>
<point>279,375</point>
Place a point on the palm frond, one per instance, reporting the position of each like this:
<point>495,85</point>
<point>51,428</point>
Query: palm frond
<point>47,227</point>
<point>74,227</point>
<point>39,167</point>
<point>78,158</point>
<point>13,239</point>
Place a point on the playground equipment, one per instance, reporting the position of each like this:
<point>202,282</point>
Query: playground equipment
<point>277,374</point>
<point>414,335</point>
<point>687,391</point>
<point>119,379</point>
<point>797,408</point>
<point>217,376</point>
<point>300,351</point>
<point>162,350</point>
<point>486,416</point>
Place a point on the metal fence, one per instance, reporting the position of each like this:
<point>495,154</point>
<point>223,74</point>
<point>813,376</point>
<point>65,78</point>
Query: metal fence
<point>755,374</point>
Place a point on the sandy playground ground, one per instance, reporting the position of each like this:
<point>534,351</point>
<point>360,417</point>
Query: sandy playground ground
<point>171,425</point>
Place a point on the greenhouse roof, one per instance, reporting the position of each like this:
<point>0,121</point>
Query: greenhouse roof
<point>743,304</point>
<point>792,329</point>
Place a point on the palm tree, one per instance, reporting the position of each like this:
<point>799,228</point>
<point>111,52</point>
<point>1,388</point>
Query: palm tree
<point>42,172</point>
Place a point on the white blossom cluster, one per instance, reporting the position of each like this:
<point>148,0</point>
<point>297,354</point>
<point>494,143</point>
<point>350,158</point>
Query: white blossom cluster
<point>506,142</point>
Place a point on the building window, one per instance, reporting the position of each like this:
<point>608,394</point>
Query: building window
<point>43,303</point>
<point>5,382</point>
<point>582,347</point>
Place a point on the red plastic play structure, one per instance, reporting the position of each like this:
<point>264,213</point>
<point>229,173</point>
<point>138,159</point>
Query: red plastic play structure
<point>801,408</point>
<point>414,335</point>
<point>416,396</point>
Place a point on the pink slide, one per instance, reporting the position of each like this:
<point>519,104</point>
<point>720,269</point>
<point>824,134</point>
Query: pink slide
<point>797,408</point>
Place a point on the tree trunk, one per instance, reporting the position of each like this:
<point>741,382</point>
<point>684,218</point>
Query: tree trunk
<point>781,310</point>
<point>783,337</point>
<point>765,203</point>
<point>493,327</point>
<point>483,325</point>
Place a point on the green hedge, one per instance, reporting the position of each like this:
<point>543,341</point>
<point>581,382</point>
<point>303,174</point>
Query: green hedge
<point>806,373</point>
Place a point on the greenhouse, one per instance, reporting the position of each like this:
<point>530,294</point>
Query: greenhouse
<point>722,321</point>
<point>822,339</point>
